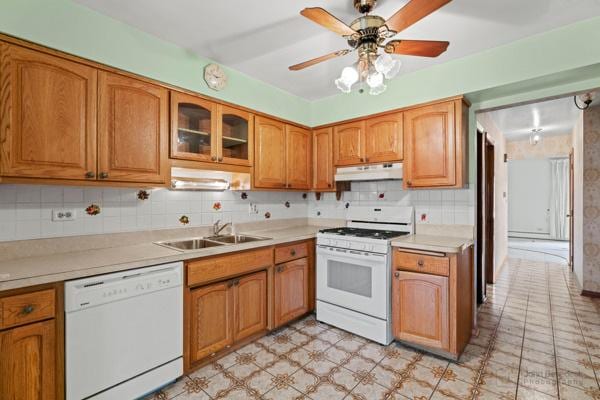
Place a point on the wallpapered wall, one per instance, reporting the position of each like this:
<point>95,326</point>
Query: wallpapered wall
<point>553,146</point>
<point>591,199</point>
<point>26,210</point>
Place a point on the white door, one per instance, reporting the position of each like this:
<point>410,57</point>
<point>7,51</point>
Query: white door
<point>529,186</point>
<point>354,280</point>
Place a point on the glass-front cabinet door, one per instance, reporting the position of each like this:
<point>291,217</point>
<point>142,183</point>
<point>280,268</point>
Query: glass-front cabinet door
<point>193,128</point>
<point>235,136</point>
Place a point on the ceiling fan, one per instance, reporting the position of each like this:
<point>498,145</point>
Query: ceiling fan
<point>367,35</point>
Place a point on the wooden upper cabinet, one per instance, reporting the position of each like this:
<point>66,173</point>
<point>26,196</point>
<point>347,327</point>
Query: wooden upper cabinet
<point>348,143</point>
<point>420,309</point>
<point>291,290</point>
<point>28,362</point>
<point>323,160</point>
<point>250,299</point>
<point>269,154</point>
<point>235,136</point>
<point>211,319</point>
<point>132,130</point>
<point>298,157</point>
<point>193,128</point>
<point>47,116</point>
<point>434,146</point>
<point>383,139</point>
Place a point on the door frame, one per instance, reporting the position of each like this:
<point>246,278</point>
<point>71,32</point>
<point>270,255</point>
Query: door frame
<point>571,214</point>
<point>485,214</point>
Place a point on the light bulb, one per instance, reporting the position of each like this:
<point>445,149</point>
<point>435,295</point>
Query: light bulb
<point>343,86</point>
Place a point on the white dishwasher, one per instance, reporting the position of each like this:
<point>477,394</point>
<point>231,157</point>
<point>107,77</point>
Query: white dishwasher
<point>124,333</point>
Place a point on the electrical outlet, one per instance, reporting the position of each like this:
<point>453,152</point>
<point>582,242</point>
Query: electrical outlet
<point>63,215</point>
<point>252,208</point>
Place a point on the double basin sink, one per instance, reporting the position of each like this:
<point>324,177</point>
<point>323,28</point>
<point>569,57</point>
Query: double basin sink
<point>210,241</point>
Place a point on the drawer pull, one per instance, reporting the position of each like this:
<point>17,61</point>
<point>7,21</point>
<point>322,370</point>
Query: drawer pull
<point>420,263</point>
<point>293,252</point>
<point>28,309</point>
<point>397,274</point>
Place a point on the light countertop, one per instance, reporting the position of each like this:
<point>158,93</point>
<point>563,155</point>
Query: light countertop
<point>39,269</point>
<point>442,244</point>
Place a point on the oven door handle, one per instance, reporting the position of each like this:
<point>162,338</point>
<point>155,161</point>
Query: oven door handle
<point>332,250</point>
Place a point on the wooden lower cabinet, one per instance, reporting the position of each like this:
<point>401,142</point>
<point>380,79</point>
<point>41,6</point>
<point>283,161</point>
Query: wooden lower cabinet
<point>421,306</point>
<point>432,300</point>
<point>27,365</point>
<point>291,290</point>
<point>250,305</point>
<point>211,317</point>
<point>31,344</point>
<point>224,313</point>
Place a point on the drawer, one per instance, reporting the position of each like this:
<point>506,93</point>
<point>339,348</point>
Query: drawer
<point>291,252</point>
<point>27,307</point>
<point>421,263</point>
<point>222,267</point>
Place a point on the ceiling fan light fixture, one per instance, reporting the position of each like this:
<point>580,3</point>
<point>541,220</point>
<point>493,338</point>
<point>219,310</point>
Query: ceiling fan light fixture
<point>374,91</point>
<point>387,65</point>
<point>348,78</point>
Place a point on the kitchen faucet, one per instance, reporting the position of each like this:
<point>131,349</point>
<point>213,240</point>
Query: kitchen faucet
<point>217,229</point>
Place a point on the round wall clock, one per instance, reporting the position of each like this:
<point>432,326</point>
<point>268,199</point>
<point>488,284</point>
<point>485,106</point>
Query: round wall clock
<point>215,77</point>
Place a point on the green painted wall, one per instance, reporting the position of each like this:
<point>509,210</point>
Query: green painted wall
<point>554,63</point>
<point>565,49</point>
<point>67,26</point>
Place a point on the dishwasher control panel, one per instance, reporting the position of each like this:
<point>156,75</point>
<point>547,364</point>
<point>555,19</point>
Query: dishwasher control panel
<point>90,292</point>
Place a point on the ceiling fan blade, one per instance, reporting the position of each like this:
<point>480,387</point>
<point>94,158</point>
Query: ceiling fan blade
<point>412,12</point>
<point>325,19</point>
<point>317,60</point>
<point>423,48</point>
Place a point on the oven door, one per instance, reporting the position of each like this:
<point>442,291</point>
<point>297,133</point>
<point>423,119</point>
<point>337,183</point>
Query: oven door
<point>355,280</point>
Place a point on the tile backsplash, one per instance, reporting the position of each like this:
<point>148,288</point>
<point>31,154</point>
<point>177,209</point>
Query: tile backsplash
<point>26,210</point>
<point>447,206</point>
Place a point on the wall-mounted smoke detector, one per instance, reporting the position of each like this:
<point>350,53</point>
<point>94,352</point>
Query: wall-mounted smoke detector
<point>535,136</point>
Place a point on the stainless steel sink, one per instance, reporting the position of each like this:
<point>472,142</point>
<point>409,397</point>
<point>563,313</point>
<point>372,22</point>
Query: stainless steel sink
<point>211,241</point>
<point>236,239</point>
<point>190,244</point>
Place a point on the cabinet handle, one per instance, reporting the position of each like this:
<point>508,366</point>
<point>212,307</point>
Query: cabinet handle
<point>103,175</point>
<point>28,309</point>
<point>362,159</point>
<point>236,282</point>
<point>280,268</point>
<point>408,183</point>
<point>220,158</point>
<point>293,252</point>
<point>230,284</point>
<point>214,158</point>
<point>420,263</point>
<point>329,185</point>
<point>397,274</point>
<point>90,175</point>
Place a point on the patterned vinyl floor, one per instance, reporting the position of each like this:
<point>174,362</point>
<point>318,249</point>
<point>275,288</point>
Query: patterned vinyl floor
<point>538,340</point>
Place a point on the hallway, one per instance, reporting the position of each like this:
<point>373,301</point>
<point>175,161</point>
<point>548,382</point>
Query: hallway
<point>552,251</point>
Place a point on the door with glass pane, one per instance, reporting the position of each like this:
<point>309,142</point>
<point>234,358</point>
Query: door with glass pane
<point>356,282</point>
<point>235,138</point>
<point>193,128</point>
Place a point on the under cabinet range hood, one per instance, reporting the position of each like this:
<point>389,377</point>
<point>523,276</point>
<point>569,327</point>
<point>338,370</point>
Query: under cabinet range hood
<point>207,180</point>
<point>375,172</point>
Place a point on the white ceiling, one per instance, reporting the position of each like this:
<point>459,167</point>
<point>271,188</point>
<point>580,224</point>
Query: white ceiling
<point>261,38</point>
<point>555,117</point>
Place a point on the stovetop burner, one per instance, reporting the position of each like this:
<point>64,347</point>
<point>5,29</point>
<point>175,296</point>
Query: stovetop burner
<point>365,233</point>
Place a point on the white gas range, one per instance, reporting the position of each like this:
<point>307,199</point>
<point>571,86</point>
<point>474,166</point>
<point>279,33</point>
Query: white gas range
<point>354,270</point>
